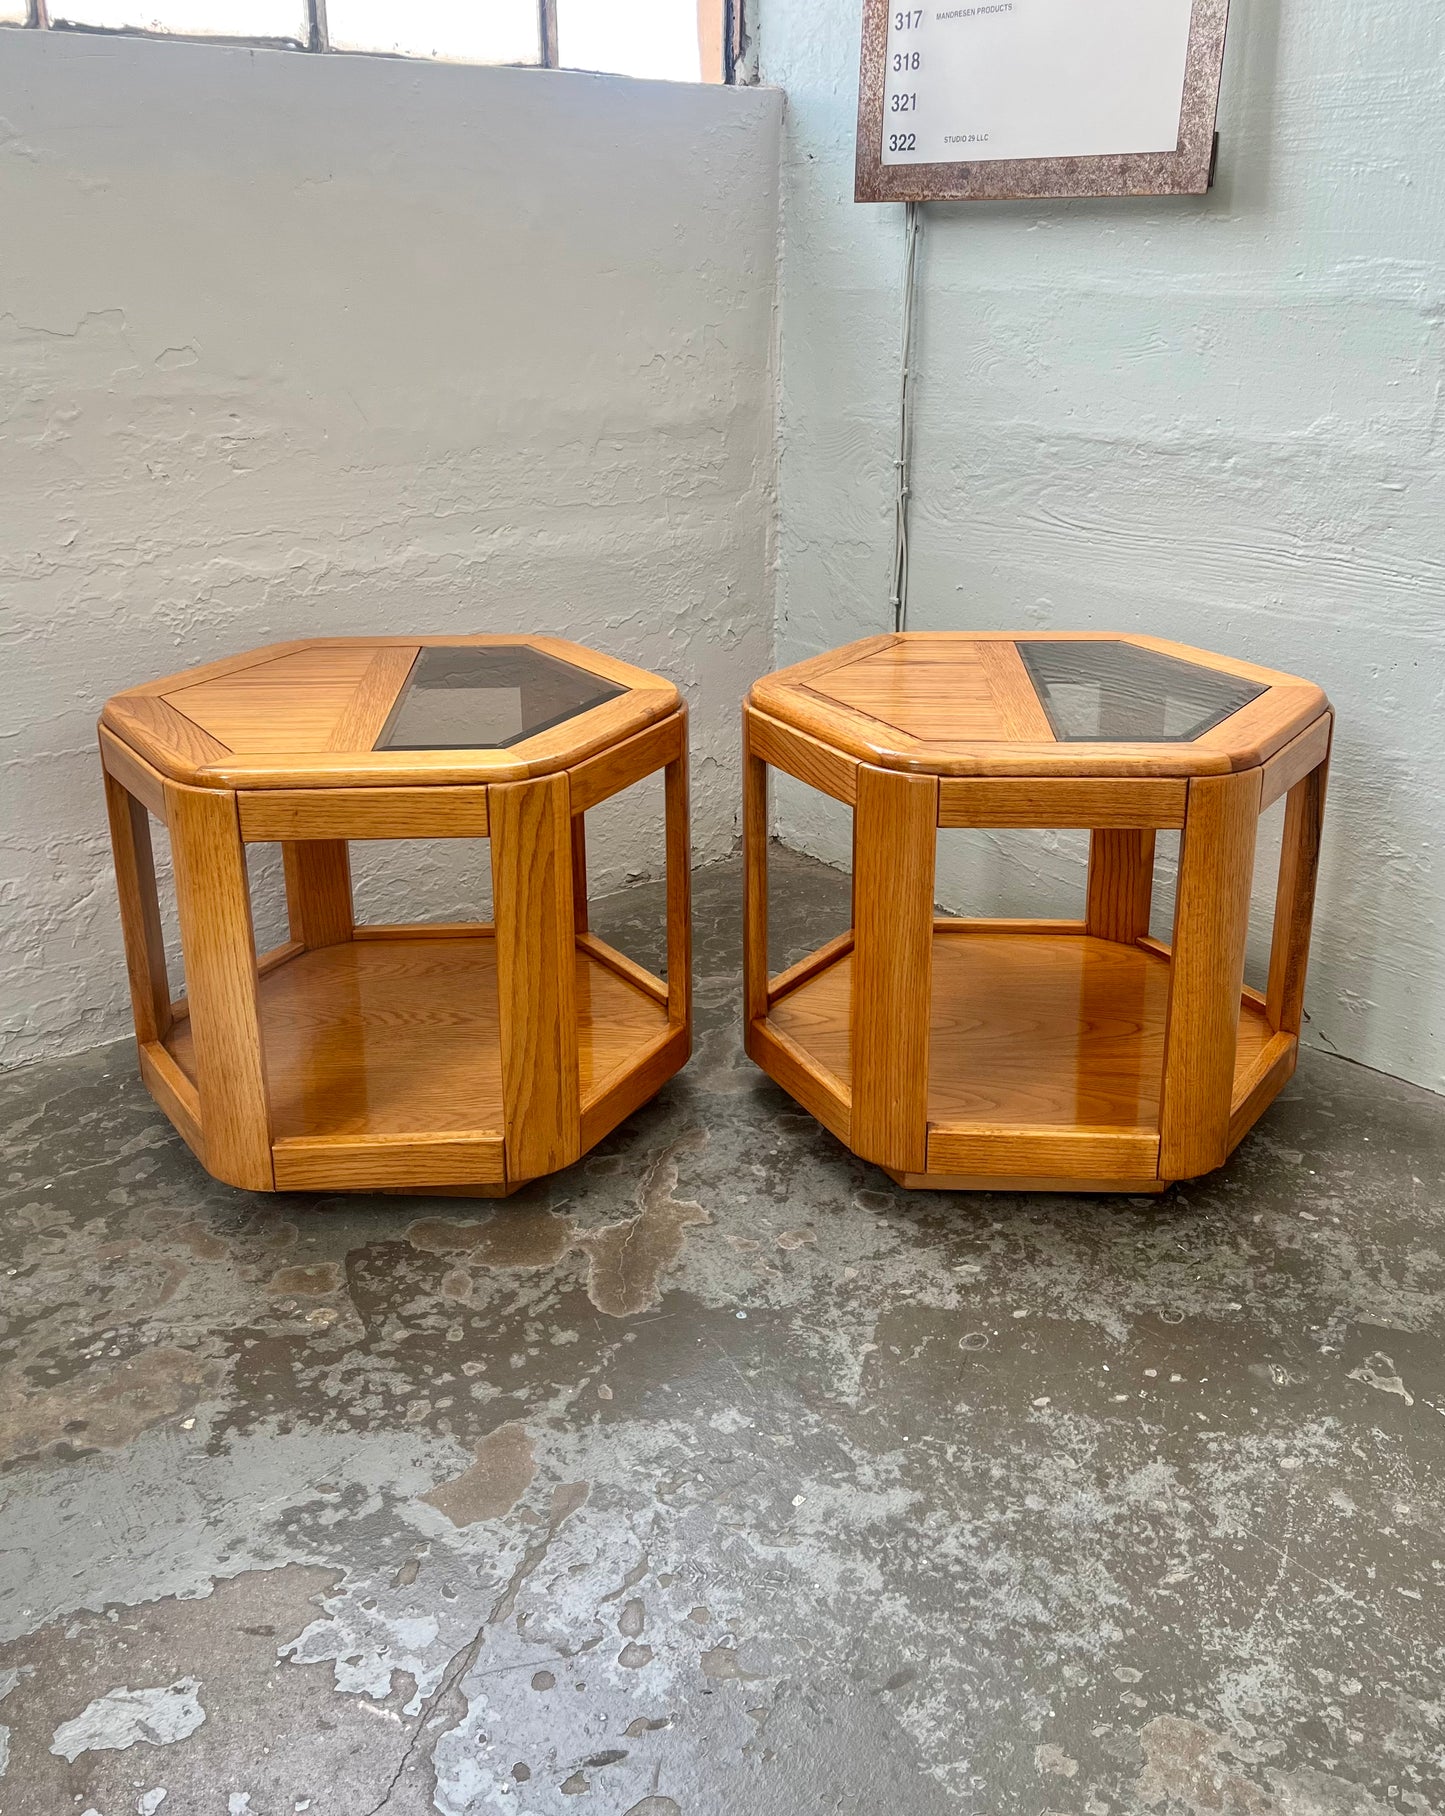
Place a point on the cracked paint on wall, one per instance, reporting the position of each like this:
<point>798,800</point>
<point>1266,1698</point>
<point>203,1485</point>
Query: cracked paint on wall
<point>294,347</point>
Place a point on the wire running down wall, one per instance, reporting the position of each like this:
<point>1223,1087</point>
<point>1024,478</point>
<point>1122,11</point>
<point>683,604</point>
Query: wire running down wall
<point>1216,419</point>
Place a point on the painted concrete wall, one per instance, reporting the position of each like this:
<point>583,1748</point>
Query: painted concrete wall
<point>1219,420</point>
<point>293,344</point>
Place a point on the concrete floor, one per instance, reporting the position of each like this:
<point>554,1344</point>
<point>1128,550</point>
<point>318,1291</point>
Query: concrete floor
<point>718,1475</point>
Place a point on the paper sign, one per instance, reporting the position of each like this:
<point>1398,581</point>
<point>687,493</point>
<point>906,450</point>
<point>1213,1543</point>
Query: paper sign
<point>979,80</point>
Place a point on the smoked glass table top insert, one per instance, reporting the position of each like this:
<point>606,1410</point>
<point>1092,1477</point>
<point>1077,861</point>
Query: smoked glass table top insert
<point>1117,693</point>
<point>485,697</point>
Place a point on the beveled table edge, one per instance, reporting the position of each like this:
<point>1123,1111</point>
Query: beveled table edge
<point>132,714</point>
<point>1246,739</point>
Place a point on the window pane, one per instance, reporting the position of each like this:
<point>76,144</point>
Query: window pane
<point>14,12</point>
<point>657,38</point>
<point>196,18</point>
<point>461,31</point>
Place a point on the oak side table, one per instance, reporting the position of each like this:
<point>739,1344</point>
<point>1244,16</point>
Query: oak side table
<point>461,1058</point>
<point>1077,1055</point>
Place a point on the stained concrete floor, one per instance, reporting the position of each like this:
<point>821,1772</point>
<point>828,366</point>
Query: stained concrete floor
<point>718,1475</point>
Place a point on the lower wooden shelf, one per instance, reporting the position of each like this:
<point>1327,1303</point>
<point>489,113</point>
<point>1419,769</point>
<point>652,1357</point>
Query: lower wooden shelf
<point>1045,1059</point>
<point>383,1060</point>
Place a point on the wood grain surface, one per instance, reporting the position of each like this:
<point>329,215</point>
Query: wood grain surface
<point>1121,884</point>
<point>678,834</point>
<point>1299,864</point>
<point>954,704</point>
<point>755,880</point>
<point>399,1036</point>
<point>1211,922</point>
<point>140,914</point>
<point>533,910</point>
<point>218,949</point>
<point>1049,1031</point>
<point>318,891</point>
<point>305,715</point>
<point>894,835</point>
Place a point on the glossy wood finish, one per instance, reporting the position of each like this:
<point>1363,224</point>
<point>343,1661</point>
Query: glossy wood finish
<point>798,755</point>
<point>1033,1041</point>
<point>1211,924</point>
<point>633,1083</point>
<point>1299,864</point>
<point>218,949</point>
<point>318,891</point>
<point>1121,884</point>
<point>580,916</point>
<point>1038,1055</point>
<point>140,914</point>
<point>364,813</point>
<point>400,1036</point>
<point>457,1058</point>
<point>821,1092</point>
<point>388,1163</point>
<point>176,1094</point>
<point>532,903</point>
<point>1055,801</point>
<point>892,953</point>
<point>755,883</point>
<point>787,981</point>
<point>1006,1151</point>
<point>1147,1186</point>
<point>678,834</point>
<point>305,716</point>
<point>625,967</point>
<point>133,773</point>
<point>953,704</point>
<point>1298,759</point>
<point>1052,1030</point>
<point>613,770</point>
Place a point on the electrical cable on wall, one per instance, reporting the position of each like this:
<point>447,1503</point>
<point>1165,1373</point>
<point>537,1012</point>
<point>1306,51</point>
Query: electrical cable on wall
<point>902,464</point>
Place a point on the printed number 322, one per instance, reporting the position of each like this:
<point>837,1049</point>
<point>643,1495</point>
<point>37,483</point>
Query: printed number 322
<point>903,141</point>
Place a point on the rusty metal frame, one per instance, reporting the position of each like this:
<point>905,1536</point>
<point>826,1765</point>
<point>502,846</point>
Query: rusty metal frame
<point>1188,170</point>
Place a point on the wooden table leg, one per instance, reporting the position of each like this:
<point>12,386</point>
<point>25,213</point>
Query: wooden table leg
<point>318,891</point>
<point>218,943</point>
<point>1121,883</point>
<point>755,881</point>
<point>894,840</point>
<point>1206,973</point>
<point>1294,902</point>
<point>679,888</point>
<point>531,831</point>
<point>580,918</point>
<point>140,913</point>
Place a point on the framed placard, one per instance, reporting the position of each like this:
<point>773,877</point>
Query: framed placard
<point>990,100</point>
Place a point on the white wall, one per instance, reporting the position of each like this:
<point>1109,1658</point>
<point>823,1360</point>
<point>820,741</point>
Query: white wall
<point>295,344</point>
<point>1219,420</point>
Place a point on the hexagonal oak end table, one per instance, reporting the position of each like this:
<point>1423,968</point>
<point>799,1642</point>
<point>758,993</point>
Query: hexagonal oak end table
<point>1045,1055</point>
<point>461,1058</point>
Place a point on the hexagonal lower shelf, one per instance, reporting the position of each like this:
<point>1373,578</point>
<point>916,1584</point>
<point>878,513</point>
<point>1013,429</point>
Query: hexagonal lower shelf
<point>385,1052</point>
<point>1046,1055</point>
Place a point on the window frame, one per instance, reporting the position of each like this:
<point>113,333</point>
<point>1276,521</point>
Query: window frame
<point>726,32</point>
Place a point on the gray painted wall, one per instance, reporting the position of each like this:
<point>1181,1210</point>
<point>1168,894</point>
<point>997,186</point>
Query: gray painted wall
<point>1218,420</point>
<point>293,345</point>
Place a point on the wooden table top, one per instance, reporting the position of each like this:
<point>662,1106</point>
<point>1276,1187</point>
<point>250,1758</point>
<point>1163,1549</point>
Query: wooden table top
<point>1040,703</point>
<point>347,712</point>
